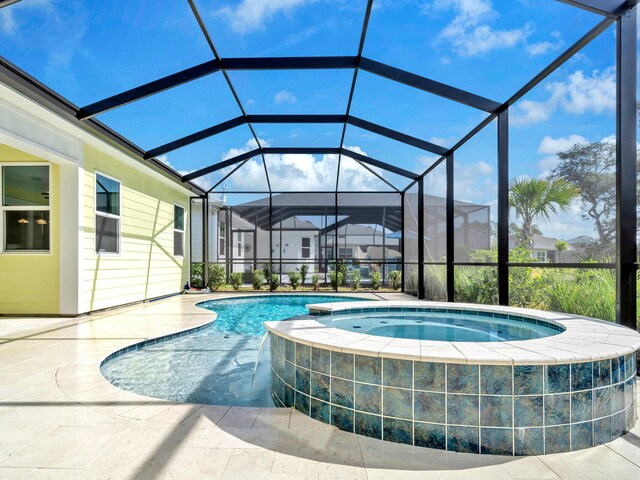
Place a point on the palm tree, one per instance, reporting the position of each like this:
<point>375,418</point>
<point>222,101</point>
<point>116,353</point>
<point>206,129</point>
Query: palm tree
<point>561,246</point>
<point>516,231</point>
<point>534,199</point>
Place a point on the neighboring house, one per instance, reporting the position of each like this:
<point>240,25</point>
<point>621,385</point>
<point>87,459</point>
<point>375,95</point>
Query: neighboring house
<point>582,247</point>
<point>304,231</point>
<point>545,249</point>
<point>84,226</point>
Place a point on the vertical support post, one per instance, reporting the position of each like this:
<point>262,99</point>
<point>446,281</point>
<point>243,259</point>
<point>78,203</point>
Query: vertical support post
<point>229,243</point>
<point>626,138</point>
<point>281,223</point>
<point>270,232</point>
<point>205,240</point>
<point>421,236</point>
<point>255,240</point>
<point>503,207</point>
<point>401,241</point>
<point>384,245</point>
<point>336,248</point>
<point>449,229</point>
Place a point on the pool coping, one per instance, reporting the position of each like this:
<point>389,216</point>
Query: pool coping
<point>583,340</point>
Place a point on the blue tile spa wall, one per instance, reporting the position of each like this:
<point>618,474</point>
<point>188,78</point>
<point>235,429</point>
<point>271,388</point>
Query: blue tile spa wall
<point>490,409</point>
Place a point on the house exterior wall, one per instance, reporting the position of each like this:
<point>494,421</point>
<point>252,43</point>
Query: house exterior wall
<point>30,282</point>
<point>72,278</point>
<point>145,267</point>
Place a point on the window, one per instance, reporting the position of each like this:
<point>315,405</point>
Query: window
<point>107,215</point>
<point>540,255</point>
<point>178,231</point>
<point>239,249</point>
<point>345,252</point>
<point>25,208</point>
<point>306,247</point>
<point>222,233</point>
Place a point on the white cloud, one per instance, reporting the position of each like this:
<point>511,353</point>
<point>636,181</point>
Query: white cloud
<point>469,33</point>
<point>250,145</point>
<point>527,112</point>
<point>577,94</point>
<point>8,22</point>
<point>483,168</point>
<point>542,48</point>
<point>565,226</point>
<point>591,93</point>
<point>302,172</point>
<point>252,15</point>
<point>285,96</point>
<point>440,141</point>
<point>551,146</point>
<point>204,182</point>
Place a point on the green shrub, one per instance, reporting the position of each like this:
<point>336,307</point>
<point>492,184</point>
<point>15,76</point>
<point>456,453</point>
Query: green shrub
<point>267,270</point>
<point>258,279</point>
<point>341,267</point>
<point>474,284</point>
<point>236,280</point>
<point>376,279</point>
<point>335,278</point>
<point>274,282</point>
<point>294,279</point>
<point>411,282</point>
<point>355,279</point>
<point>304,269</point>
<point>315,281</point>
<point>590,292</point>
<point>395,279</point>
<point>217,276</point>
<point>196,275</point>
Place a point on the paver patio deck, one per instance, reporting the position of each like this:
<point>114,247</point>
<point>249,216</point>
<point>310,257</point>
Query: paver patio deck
<point>60,419</point>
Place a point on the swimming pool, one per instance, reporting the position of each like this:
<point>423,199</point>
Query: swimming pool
<point>215,365</point>
<point>442,326</point>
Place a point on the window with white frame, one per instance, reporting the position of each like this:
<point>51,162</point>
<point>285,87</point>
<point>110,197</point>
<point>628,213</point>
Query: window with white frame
<point>540,255</point>
<point>222,234</point>
<point>178,231</point>
<point>107,215</point>
<point>25,207</point>
<point>306,247</point>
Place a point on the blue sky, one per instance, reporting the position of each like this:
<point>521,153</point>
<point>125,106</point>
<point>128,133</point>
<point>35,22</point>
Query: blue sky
<point>87,50</point>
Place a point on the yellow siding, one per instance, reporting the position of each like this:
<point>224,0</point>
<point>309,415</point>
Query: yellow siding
<point>145,267</point>
<point>30,283</point>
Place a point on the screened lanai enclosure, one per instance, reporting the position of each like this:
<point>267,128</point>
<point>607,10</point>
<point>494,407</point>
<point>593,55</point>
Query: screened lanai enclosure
<point>485,150</point>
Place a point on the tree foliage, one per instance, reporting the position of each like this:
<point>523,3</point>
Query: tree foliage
<point>534,199</point>
<point>592,168</point>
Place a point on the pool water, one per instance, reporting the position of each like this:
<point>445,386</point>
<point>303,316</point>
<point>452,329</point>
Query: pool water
<point>216,365</point>
<point>441,326</point>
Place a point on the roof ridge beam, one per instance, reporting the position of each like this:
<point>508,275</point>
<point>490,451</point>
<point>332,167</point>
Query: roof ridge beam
<point>195,137</point>
<point>297,118</point>
<point>378,163</point>
<point>289,63</point>
<point>427,85</point>
<point>148,89</point>
<point>395,135</point>
<point>220,165</point>
<point>299,150</point>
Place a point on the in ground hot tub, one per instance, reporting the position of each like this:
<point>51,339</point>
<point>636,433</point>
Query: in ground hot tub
<point>464,378</point>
